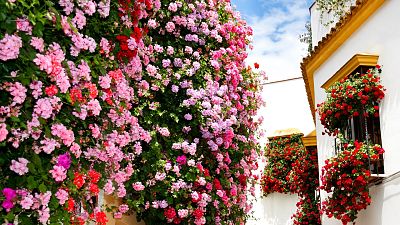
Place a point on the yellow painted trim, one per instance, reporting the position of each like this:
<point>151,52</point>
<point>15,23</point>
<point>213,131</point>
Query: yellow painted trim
<point>337,38</point>
<point>310,141</point>
<point>350,66</point>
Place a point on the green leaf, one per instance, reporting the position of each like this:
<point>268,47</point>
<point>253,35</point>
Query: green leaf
<point>32,184</point>
<point>42,188</point>
<point>32,168</point>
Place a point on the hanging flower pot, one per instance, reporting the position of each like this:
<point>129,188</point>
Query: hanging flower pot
<point>345,177</point>
<point>354,95</point>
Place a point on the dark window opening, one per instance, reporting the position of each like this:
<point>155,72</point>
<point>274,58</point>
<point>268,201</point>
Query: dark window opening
<point>365,129</point>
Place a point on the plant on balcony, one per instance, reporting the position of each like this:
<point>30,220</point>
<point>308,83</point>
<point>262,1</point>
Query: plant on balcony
<point>147,100</point>
<point>337,8</point>
<point>354,95</point>
<point>345,178</point>
<point>291,168</point>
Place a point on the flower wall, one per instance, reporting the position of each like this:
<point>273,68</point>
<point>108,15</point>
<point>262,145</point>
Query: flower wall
<point>345,176</point>
<point>291,168</point>
<point>147,100</point>
<point>353,95</point>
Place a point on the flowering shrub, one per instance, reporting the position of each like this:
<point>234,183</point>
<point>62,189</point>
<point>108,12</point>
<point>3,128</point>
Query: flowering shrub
<point>355,94</point>
<point>150,101</point>
<point>291,168</point>
<point>346,177</point>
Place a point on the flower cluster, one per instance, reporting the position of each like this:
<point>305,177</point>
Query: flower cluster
<point>353,95</point>
<point>346,177</point>
<point>291,168</point>
<point>148,100</point>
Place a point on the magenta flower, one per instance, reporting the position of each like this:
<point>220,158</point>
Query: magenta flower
<point>7,204</point>
<point>181,160</point>
<point>64,160</point>
<point>9,193</point>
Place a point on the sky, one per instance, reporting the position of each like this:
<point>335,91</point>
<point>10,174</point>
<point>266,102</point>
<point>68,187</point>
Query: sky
<point>277,25</point>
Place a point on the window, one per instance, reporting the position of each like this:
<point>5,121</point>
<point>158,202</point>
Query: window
<point>362,128</point>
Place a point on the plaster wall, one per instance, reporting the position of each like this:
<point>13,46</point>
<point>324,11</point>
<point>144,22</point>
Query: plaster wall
<point>275,209</point>
<point>380,35</point>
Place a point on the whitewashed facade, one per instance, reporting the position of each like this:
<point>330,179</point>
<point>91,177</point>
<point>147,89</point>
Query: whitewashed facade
<point>378,35</point>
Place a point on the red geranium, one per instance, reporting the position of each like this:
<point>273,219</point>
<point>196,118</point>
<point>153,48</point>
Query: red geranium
<point>79,180</point>
<point>170,213</point>
<point>355,94</point>
<point>198,213</point>
<point>346,177</point>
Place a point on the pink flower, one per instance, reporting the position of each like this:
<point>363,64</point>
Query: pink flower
<point>9,193</point>
<point>175,88</point>
<point>88,6</point>
<point>163,131</point>
<point>170,27</point>
<point>105,81</point>
<point>109,188</point>
<point>23,25</point>
<point>44,215</point>
<point>160,176</point>
<point>20,166</point>
<point>9,47</point>
<point>182,213</point>
<point>117,215</point>
<point>58,173</point>
<point>49,145</point>
<point>67,136</point>
<point>188,116</point>
<point>26,202</point>
<point>104,8</point>
<point>62,196</point>
<point>68,6</point>
<point>18,91</point>
<point>123,208</point>
<point>170,50</point>
<point>79,20</point>
<point>138,186</point>
<point>152,70</point>
<point>3,132</point>
<point>46,107</point>
<point>94,106</point>
<point>105,45</point>
<point>152,23</point>
<point>172,7</point>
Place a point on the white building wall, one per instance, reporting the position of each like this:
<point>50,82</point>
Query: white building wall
<point>275,209</point>
<point>285,104</point>
<point>321,25</point>
<point>380,35</point>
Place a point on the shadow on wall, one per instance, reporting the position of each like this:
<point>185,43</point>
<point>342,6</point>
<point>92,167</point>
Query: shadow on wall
<point>384,207</point>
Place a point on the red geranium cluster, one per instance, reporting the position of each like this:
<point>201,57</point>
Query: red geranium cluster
<point>355,94</point>
<point>291,168</point>
<point>346,177</point>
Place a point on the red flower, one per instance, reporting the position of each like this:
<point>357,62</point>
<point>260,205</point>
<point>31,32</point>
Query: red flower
<point>101,218</point>
<point>51,90</point>
<point>70,205</point>
<point>256,65</point>
<point>79,180</point>
<point>94,176</point>
<point>217,184</point>
<point>198,213</point>
<point>94,189</point>
<point>169,213</point>
<point>242,179</point>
